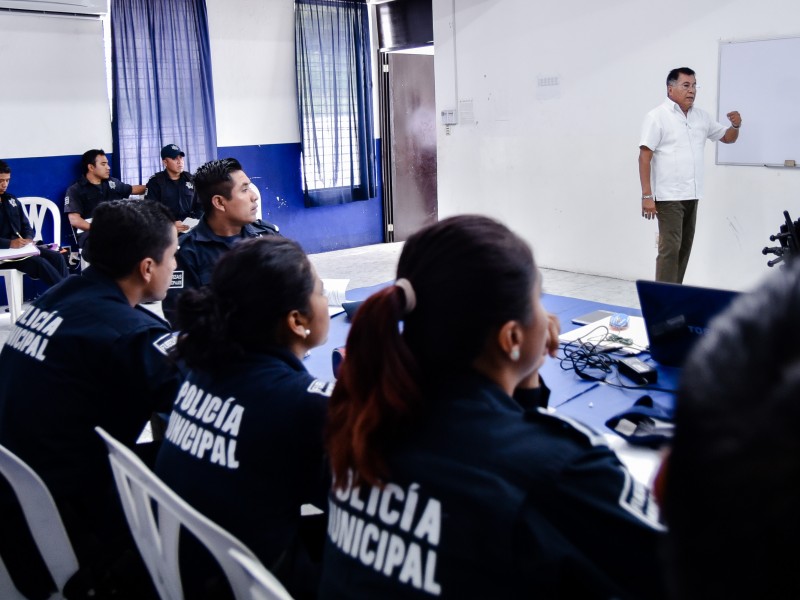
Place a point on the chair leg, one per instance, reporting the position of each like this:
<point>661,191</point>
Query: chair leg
<point>14,293</point>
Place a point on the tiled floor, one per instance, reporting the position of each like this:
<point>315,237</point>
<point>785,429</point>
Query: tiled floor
<point>370,265</point>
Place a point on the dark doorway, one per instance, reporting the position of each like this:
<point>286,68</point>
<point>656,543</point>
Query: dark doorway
<point>408,133</point>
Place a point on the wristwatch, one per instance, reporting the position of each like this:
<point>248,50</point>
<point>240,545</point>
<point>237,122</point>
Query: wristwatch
<point>648,197</point>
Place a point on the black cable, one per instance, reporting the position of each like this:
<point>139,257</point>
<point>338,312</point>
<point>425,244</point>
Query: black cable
<point>580,356</point>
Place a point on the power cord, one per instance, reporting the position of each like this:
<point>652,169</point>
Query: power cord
<point>590,360</point>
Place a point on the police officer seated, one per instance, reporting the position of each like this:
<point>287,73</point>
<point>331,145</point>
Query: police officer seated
<point>85,354</point>
<point>95,186</point>
<point>174,187</point>
<point>16,232</point>
<point>229,215</point>
<point>450,481</point>
<point>243,338</point>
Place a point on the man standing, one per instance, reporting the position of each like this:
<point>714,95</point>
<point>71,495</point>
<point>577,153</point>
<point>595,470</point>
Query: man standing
<point>671,168</point>
<point>85,354</point>
<point>95,186</point>
<point>173,187</point>
<point>16,232</point>
<point>229,214</point>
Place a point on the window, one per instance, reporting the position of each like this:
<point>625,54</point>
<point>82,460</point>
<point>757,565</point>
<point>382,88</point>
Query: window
<point>334,84</point>
<point>161,65</point>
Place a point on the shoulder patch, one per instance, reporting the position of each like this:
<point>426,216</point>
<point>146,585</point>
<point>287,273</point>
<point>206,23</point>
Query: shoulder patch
<point>594,438</point>
<point>166,343</point>
<point>323,388</point>
<point>177,280</point>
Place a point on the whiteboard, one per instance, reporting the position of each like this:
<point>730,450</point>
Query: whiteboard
<point>761,80</point>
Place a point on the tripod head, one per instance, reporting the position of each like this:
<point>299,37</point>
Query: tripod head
<point>787,237</point>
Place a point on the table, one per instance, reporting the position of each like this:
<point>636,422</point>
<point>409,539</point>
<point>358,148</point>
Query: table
<point>589,402</point>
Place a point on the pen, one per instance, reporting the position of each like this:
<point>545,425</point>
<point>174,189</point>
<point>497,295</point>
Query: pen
<point>581,393</point>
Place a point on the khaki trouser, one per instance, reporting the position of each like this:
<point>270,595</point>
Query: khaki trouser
<point>676,221</point>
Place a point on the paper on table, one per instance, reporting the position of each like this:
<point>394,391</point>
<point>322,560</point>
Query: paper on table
<point>594,333</point>
<point>14,253</point>
<point>190,222</point>
<point>334,290</point>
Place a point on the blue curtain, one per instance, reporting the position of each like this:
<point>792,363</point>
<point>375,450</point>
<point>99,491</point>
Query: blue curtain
<point>334,89</point>
<point>162,86</point>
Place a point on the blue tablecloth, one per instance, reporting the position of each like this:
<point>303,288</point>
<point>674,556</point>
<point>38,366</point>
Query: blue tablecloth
<point>592,403</point>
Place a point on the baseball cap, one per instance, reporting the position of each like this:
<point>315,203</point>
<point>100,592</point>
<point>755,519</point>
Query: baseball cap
<point>171,151</point>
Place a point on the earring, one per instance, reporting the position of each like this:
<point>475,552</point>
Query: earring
<point>514,354</point>
<point>308,333</point>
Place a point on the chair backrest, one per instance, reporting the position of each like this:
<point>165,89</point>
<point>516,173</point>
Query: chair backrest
<point>156,514</point>
<point>262,583</point>
<point>44,522</point>
<point>37,209</point>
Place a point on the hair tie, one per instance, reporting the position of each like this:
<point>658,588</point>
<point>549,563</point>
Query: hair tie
<point>411,298</point>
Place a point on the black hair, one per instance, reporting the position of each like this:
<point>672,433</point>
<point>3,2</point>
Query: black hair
<point>125,232</point>
<point>214,178</point>
<point>89,158</point>
<point>4,168</point>
<point>465,269</point>
<point>470,275</point>
<point>733,478</point>
<point>674,75</point>
<point>255,285</point>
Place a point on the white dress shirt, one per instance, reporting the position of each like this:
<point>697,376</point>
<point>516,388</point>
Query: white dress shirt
<point>678,142</point>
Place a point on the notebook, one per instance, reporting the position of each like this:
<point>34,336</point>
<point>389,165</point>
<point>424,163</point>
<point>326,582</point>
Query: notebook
<point>676,316</point>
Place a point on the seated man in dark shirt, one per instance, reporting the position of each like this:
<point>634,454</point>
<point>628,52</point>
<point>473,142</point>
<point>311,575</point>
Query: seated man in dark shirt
<point>174,188</point>
<point>16,232</point>
<point>230,209</point>
<point>95,186</point>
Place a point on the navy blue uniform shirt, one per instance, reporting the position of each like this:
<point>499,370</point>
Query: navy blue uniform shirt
<point>13,222</point>
<point>198,253</point>
<point>177,195</point>
<point>245,447</point>
<point>83,197</point>
<point>80,357</point>
<point>488,500</point>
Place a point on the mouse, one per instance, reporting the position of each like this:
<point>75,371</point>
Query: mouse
<point>618,321</point>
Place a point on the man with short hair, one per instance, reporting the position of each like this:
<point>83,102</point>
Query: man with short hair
<point>95,186</point>
<point>85,354</point>
<point>671,168</point>
<point>229,215</point>
<point>173,187</point>
<point>16,232</point>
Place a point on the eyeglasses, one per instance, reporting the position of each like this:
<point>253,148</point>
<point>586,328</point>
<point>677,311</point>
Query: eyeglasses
<point>687,86</point>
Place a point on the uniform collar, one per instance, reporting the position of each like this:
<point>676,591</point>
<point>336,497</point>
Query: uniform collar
<point>205,234</point>
<point>474,386</point>
<point>94,276</point>
<point>86,183</point>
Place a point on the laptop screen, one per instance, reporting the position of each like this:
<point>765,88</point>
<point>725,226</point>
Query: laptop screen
<point>676,315</point>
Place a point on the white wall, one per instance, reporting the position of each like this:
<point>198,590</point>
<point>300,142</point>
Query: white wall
<point>252,55</point>
<point>253,61</point>
<point>559,163</point>
<point>54,100</point>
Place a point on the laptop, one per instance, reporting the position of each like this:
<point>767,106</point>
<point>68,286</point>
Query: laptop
<point>676,316</point>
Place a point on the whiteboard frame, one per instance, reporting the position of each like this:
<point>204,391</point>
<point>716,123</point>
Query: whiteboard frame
<point>720,148</point>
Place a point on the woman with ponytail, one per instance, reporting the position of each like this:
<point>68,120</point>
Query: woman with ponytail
<point>450,479</point>
<point>244,444</point>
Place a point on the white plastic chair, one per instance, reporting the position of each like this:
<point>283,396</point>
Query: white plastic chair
<point>263,585</point>
<point>36,210</point>
<point>44,522</point>
<point>155,514</point>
